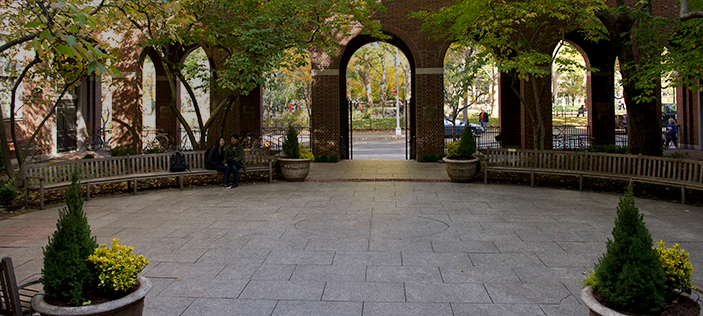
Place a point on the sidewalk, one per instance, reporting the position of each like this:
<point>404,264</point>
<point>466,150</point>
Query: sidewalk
<point>339,245</point>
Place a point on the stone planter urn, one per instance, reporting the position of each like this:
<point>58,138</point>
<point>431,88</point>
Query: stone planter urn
<point>595,308</point>
<point>130,305</point>
<point>294,169</point>
<point>461,170</point>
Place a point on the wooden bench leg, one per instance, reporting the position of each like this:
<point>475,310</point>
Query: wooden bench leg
<point>41,194</point>
<point>485,175</point>
<point>134,191</point>
<point>180,182</point>
<point>87,192</point>
<point>683,194</point>
<point>532,178</point>
<point>580,182</point>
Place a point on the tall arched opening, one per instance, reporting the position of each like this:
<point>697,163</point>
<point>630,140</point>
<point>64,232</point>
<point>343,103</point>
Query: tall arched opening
<point>344,104</point>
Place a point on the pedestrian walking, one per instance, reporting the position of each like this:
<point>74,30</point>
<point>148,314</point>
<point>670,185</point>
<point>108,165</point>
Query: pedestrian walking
<point>672,134</point>
<point>483,119</point>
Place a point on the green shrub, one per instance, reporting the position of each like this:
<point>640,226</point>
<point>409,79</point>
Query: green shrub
<point>121,151</point>
<point>116,267</point>
<point>8,192</point>
<point>683,155</point>
<point>333,158</point>
<point>614,149</point>
<point>629,274</point>
<point>323,158</point>
<point>465,148</point>
<point>66,275</point>
<point>305,153</point>
<point>290,144</point>
<point>677,268</point>
<point>155,150</point>
<point>89,156</point>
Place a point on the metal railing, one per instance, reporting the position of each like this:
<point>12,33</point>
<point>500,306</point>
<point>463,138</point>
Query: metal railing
<point>273,137</point>
<point>570,137</point>
<point>563,138</point>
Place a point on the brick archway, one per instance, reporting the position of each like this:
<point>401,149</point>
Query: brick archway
<point>427,104</point>
<point>351,48</point>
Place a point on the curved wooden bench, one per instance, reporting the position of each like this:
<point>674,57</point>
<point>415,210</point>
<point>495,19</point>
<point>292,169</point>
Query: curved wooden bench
<point>57,175</point>
<point>683,173</point>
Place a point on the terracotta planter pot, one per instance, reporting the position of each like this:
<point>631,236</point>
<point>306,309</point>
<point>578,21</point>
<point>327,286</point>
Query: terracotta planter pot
<point>294,169</point>
<point>460,170</point>
<point>595,308</point>
<point>130,305</point>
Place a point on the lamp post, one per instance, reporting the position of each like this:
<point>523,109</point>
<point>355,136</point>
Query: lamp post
<point>397,102</point>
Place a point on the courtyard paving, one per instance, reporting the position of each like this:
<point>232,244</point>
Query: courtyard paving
<point>339,245</point>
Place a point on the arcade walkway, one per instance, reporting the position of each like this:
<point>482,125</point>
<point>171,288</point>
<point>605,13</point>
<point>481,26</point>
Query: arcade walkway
<point>347,247</point>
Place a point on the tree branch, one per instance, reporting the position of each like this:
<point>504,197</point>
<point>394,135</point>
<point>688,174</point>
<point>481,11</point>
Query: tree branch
<point>685,15</point>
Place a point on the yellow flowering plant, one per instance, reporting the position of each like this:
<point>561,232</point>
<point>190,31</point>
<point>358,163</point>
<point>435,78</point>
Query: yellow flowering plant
<point>117,267</point>
<point>677,268</point>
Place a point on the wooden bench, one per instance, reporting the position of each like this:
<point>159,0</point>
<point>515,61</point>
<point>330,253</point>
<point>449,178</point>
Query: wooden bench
<point>683,173</point>
<point>14,300</point>
<point>57,175</point>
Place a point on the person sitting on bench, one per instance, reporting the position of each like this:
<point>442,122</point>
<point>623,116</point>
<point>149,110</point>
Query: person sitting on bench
<point>234,156</point>
<point>216,158</point>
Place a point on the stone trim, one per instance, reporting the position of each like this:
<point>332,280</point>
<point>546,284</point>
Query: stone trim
<point>325,72</point>
<point>126,75</point>
<point>429,71</point>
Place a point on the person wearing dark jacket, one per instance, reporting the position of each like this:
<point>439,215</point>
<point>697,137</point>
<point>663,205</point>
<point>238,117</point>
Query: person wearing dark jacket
<point>215,161</point>
<point>672,133</point>
<point>233,156</point>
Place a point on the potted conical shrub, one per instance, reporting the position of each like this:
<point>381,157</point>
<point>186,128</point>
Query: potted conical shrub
<point>460,162</point>
<point>72,282</point>
<point>632,276</point>
<point>293,167</point>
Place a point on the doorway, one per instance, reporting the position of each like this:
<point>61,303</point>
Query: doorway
<point>66,125</point>
<point>374,107</point>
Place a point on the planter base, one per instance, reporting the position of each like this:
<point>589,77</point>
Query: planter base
<point>595,308</point>
<point>461,170</point>
<point>294,169</point>
<point>130,305</point>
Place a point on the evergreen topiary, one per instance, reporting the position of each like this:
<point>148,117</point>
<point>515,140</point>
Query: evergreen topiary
<point>465,148</point>
<point>629,274</point>
<point>290,144</point>
<point>66,274</point>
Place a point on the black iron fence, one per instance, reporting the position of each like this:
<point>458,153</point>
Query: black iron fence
<point>273,137</point>
<point>563,137</point>
<point>570,137</point>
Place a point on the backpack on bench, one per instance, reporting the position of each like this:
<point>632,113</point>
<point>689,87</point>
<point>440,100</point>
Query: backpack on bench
<point>178,162</point>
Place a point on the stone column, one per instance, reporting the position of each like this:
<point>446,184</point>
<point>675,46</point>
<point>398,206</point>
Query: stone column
<point>325,109</point>
<point>510,112</point>
<point>429,100</point>
<point>688,109</point>
<point>601,107</point>
<point>545,107</point>
<point>165,118</point>
<point>251,118</point>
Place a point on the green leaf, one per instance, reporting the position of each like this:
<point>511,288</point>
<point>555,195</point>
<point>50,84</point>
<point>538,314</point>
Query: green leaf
<point>64,50</point>
<point>71,40</point>
<point>35,23</point>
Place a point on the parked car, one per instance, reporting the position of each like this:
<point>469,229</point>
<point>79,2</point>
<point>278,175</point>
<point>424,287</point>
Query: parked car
<point>459,128</point>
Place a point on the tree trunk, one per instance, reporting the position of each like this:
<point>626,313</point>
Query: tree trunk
<point>367,80</point>
<point>643,128</point>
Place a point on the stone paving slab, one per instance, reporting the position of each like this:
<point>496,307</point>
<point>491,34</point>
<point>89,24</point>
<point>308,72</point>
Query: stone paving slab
<point>361,248</point>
